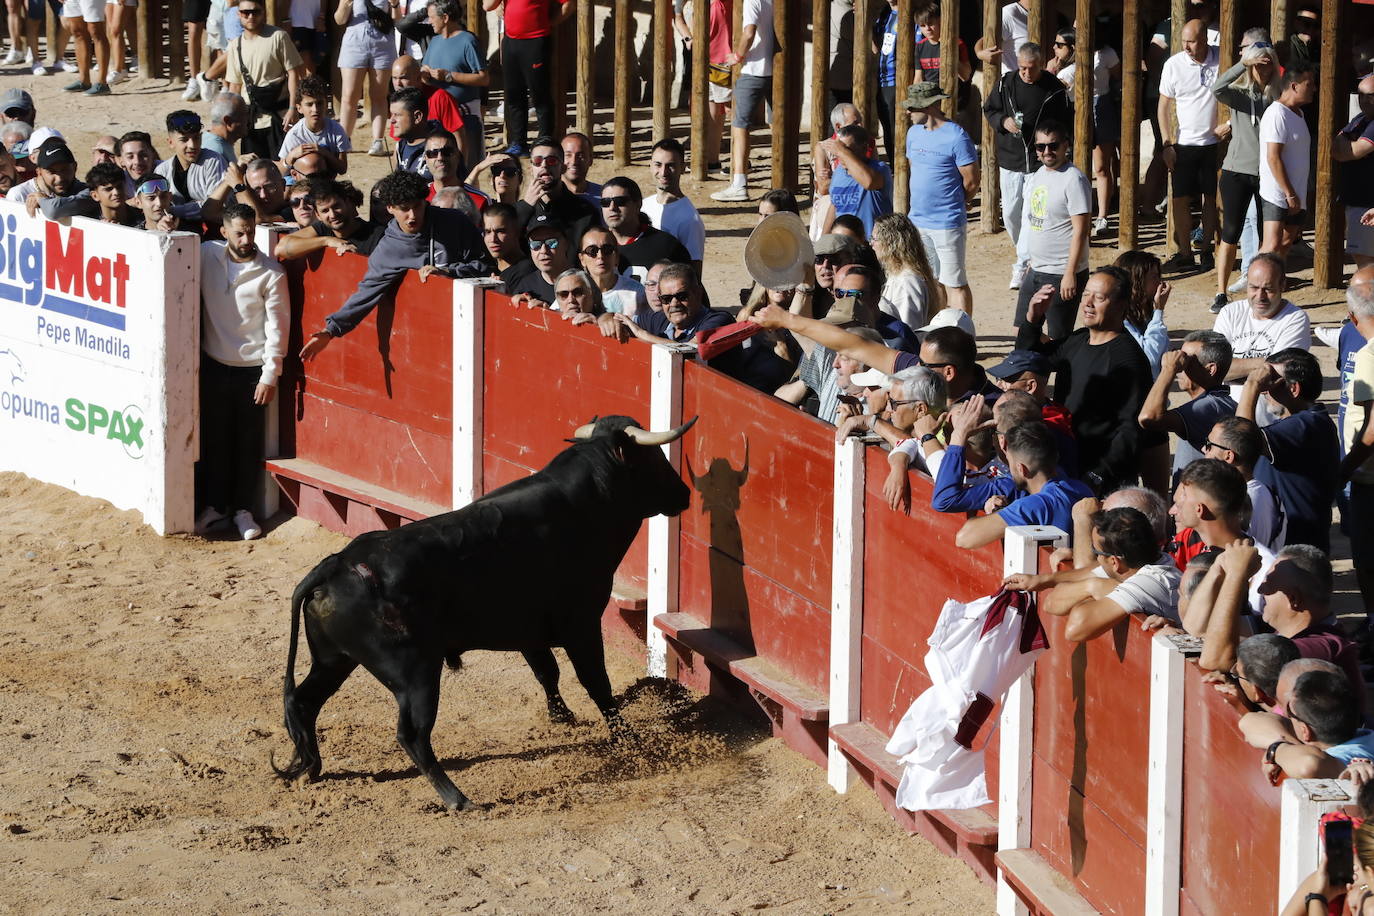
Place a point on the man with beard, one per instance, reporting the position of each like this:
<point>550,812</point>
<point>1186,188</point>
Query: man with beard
<point>246,318</point>
<point>55,179</point>
<point>547,195</point>
<point>640,243</point>
<point>337,224</point>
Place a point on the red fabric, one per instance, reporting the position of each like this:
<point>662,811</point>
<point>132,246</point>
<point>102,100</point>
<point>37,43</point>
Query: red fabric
<point>1187,544</point>
<point>529,18</point>
<point>439,106</point>
<point>1058,418</point>
<point>715,341</point>
<point>719,32</point>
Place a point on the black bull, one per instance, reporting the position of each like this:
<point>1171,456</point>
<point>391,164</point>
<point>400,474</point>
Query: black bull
<point>526,568</point>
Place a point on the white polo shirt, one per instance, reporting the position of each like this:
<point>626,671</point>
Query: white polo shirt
<point>1189,84</point>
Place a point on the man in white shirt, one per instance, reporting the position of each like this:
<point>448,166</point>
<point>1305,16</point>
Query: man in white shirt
<point>668,209</point>
<point>246,318</point>
<point>1056,222</point>
<point>1190,142</point>
<point>1262,324</point>
<point>754,51</point>
<point>1240,443</point>
<point>1285,144</point>
<point>1015,33</point>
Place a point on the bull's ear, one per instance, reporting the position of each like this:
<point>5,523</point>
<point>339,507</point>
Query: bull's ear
<point>622,447</point>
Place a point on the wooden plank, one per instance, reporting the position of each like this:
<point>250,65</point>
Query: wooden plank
<point>663,71</point>
<point>1178,13</point>
<point>332,481</point>
<point>176,34</point>
<point>846,599</point>
<point>1129,180</point>
<point>1328,265</point>
<point>1083,88</point>
<point>949,55</point>
<point>820,70</point>
<point>991,191</point>
<point>783,139</point>
<point>1278,21</point>
<point>906,68</point>
<point>475,20</point>
<point>865,81</point>
<point>143,15</point>
<point>620,156</point>
<point>1041,886</point>
<point>700,91</point>
<point>1037,21</point>
<point>629,597</point>
<point>586,89</point>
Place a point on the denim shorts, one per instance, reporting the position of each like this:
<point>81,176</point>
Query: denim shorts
<point>749,91</point>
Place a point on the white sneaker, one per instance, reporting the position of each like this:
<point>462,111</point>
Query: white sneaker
<point>69,67</point>
<point>40,69</point>
<point>1018,273</point>
<point>1099,225</point>
<point>1240,286</point>
<point>12,58</point>
<point>117,76</point>
<point>1331,336</point>
<point>247,525</point>
<point>192,91</point>
<point>209,517</point>
<point>208,88</point>
<point>378,148</point>
<point>732,194</point>
<point>28,58</point>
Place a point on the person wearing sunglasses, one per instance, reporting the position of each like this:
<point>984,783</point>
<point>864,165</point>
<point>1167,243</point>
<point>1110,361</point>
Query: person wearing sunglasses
<point>547,195</point>
<point>551,253</point>
<point>329,219</point>
<point>153,197</point>
<point>264,67</point>
<point>506,177</point>
<point>444,160</point>
<point>1321,734</point>
<point>193,172</point>
<point>600,257</point>
<point>301,202</point>
<point>425,239</point>
<point>641,244</point>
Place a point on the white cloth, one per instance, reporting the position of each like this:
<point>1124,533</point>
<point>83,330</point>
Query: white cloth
<point>330,137</point>
<point>246,310</point>
<point>1103,62</point>
<point>1152,589</point>
<point>1258,337</point>
<point>905,296</point>
<point>1189,84</point>
<point>758,60</point>
<point>1268,523</point>
<point>681,220</point>
<point>1015,33</point>
<point>977,651</point>
<point>626,297</point>
<point>1282,124</point>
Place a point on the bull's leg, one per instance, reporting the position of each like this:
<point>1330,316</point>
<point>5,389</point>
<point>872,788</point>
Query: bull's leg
<point>326,676</point>
<point>419,704</point>
<point>588,658</point>
<point>545,668</point>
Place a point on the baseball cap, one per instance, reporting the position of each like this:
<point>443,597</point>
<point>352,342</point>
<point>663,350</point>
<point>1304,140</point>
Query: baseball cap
<point>15,98</point>
<point>53,151</point>
<point>545,221</point>
<point>1019,361</point>
<point>950,318</point>
<point>833,242</point>
<point>42,135</point>
<point>872,378</point>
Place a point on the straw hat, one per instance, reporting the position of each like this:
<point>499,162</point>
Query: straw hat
<point>778,252</point>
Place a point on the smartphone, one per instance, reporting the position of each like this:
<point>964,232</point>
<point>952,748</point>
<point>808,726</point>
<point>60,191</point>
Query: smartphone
<point>1340,863</point>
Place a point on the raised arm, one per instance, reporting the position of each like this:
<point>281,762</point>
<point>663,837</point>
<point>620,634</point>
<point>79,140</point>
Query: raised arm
<point>871,354</point>
<point>1155,413</point>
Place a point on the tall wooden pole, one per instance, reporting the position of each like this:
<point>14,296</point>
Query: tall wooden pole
<point>474,19</point>
<point>1129,182</point>
<point>906,69</point>
<point>663,71</point>
<point>783,131</point>
<point>1178,13</point>
<point>1227,27</point>
<point>623,56</point>
<point>564,39</point>
<point>1328,264</point>
<point>144,14</point>
<point>176,34</point>
<point>1037,20</point>
<point>820,70</point>
<point>701,27</point>
<point>949,54</point>
<point>1278,21</point>
<point>1083,87</point>
<point>992,73</point>
<point>586,48</point>
<point>864,82</point>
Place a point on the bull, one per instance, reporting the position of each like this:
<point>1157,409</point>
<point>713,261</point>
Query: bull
<point>526,568</point>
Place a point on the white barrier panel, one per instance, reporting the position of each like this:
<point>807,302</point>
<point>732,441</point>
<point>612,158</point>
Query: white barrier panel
<point>99,345</point>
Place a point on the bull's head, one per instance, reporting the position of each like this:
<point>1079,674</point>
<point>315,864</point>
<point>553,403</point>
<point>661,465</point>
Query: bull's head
<point>648,481</point>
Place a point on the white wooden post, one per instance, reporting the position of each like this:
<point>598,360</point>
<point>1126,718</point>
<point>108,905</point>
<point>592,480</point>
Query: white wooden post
<point>1304,802</point>
<point>1164,805</point>
<point>846,602</point>
<point>1021,554</point>
<point>665,412</point>
<point>269,494</point>
<point>469,318</point>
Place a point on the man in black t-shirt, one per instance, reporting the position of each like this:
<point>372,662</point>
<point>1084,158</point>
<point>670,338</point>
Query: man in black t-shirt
<point>548,196</point>
<point>336,225</point>
<point>928,57</point>
<point>551,254</point>
<point>505,243</point>
<point>641,245</point>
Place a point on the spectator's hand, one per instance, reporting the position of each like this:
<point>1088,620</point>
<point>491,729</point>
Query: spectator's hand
<point>1231,693</point>
<point>927,423</point>
<point>315,345</point>
<point>609,327</point>
<point>1162,295</point>
<point>851,426</point>
<point>846,409</point>
<point>578,318</point>
<point>305,149</point>
<point>1170,157</point>
<point>1171,363</point>
<point>1274,773</point>
<point>771,316</point>
<point>1085,508</point>
<point>1068,285</point>
<point>1222,131</point>
<point>1155,622</point>
<point>233,174</point>
<point>31,203</point>
<point>263,394</point>
<point>1039,304</point>
<point>1240,558</point>
<point>1368,218</point>
<point>343,246</point>
<point>1318,883</point>
<point>434,75</point>
<point>1360,771</point>
<point>897,491</point>
<point>169,222</point>
<point>732,59</point>
<point>1026,582</point>
<point>1009,125</point>
<point>533,193</point>
<point>1061,556</point>
<point>965,417</point>
<point>987,55</point>
<point>291,116</point>
<point>830,146</point>
<point>994,503</point>
<point>429,270</point>
<point>1262,378</point>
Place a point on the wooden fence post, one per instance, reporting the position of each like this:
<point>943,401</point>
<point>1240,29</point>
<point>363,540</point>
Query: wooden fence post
<point>564,38</point>
<point>1036,23</point>
<point>586,86</point>
<point>665,406</point>
<point>1083,88</point>
<point>783,130</point>
<point>949,57</point>
<point>1328,244</point>
<point>863,63</point>
<point>820,69</point>
<point>701,28</point>
<point>663,70</point>
<point>176,44</point>
<point>1179,11</point>
<point>144,16</point>
<point>1278,21</point>
<point>906,69</point>
<point>846,602</point>
<point>621,154</point>
<point>1129,180</point>
<point>991,192</point>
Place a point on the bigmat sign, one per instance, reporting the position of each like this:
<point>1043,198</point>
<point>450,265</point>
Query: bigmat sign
<point>99,343</point>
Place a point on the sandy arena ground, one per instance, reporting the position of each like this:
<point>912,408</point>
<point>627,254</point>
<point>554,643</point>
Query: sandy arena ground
<point>140,702</point>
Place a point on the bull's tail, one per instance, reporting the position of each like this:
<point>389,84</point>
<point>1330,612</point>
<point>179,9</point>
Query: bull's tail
<point>306,758</point>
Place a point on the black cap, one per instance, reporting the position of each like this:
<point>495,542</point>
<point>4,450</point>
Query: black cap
<point>545,221</point>
<point>1019,361</point>
<point>54,151</point>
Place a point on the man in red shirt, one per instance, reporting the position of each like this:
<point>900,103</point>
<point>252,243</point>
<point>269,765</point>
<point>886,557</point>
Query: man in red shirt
<point>405,74</point>
<point>525,53</point>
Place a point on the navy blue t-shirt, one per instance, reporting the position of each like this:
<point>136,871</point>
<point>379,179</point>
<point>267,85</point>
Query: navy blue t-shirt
<point>1305,460</point>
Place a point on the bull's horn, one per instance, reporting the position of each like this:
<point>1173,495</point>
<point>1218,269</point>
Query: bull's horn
<point>584,431</point>
<point>644,437</point>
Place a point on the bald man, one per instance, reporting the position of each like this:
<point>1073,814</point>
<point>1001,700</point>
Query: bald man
<point>439,105</point>
<point>1352,150</point>
<point>1188,122</point>
<point>1358,433</point>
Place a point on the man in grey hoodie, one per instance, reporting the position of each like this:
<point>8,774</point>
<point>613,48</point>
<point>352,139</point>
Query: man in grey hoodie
<point>419,237</point>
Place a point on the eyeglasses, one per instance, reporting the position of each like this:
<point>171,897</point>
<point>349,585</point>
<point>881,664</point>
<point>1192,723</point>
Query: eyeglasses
<point>617,202</point>
<point>669,298</point>
<point>895,404</point>
<point>249,11</point>
<point>184,124</point>
<point>566,294</point>
<point>154,186</point>
<point>1099,554</point>
<point>849,294</point>
<point>304,200</point>
<point>546,160</point>
<point>599,251</point>
<point>505,170</point>
<point>1062,44</point>
<point>551,244</point>
<point>438,151</point>
<point>835,260</point>
<point>1046,147</point>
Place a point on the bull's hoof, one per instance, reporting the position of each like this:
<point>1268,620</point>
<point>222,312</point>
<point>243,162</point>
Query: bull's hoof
<point>463,804</point>
<point>562,716</point>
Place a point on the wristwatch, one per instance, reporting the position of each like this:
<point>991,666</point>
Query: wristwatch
<point>239,188</point>
<point>927,437</point>
<point>1269,752</point>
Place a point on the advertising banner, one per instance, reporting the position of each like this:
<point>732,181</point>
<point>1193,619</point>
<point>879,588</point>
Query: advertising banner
<point>99,347</point>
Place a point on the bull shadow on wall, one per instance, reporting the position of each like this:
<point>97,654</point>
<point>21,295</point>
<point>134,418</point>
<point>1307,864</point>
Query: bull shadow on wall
<point>720,487</point>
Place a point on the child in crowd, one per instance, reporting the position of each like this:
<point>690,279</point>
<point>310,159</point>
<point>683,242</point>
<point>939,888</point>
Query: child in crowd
<point>315,132</point>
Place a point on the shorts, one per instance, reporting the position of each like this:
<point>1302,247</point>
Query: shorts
<point>88,10</point>
<point>1107,119</point>
<point>359,50</point>
<point>308,41</point>
<point>1271,212</point>
<point>1195,170</point>
<point>945,251</point>
<point>1359,238</point>
<point>719,95</point>
<point>1359,524</point>
<point>195,10</point>
<point>749,91</point>
<point>1238,191</point>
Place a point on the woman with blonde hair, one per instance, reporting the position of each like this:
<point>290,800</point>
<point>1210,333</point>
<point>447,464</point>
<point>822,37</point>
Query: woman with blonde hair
<point>910,290</point>
<point>1247,89</point>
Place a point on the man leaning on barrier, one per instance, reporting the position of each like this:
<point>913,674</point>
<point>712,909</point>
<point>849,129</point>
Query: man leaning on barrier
<point>419,237</point>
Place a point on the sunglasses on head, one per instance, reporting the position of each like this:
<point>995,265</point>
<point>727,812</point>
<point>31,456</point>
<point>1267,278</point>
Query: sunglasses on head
<point>849,294</point>
<point>620,201</point>
<point>551,244</point>
<point>154,186</point>
<point>436,152</point>
<point>185,124</point>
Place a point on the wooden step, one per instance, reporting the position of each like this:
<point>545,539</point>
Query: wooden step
<point>332,481</point>
<point>1042,888</point>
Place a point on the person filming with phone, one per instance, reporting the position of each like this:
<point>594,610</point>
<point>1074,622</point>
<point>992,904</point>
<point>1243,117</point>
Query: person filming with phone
<point>1346,870</point>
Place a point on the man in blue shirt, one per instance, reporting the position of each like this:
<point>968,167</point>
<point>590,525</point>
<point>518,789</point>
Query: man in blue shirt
<point>859,185</point>
<point>453,63</point>
<point>1033,459</point>
<point>944,178</point>
<point>885,45</point>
